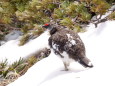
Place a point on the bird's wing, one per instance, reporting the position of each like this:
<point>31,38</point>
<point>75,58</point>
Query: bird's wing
<point>57,41</point>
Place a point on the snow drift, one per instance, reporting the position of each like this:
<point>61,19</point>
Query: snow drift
<point>100,48</point>
<point>13,52</point>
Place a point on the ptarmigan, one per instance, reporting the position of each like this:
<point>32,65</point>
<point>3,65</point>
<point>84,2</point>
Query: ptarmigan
<point>68,45</point>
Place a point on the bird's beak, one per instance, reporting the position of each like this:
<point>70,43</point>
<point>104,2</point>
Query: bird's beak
<point>43,26</point>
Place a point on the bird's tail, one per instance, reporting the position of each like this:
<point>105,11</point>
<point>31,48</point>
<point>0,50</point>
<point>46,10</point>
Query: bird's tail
<point>85,62</point>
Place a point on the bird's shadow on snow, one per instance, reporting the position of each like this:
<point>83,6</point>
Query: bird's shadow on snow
<point>61,72</point>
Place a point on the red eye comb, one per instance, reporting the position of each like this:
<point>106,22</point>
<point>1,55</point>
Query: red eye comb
<point>46,24</point>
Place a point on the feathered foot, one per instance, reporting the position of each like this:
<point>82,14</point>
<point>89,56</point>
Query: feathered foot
<point>66,66</point>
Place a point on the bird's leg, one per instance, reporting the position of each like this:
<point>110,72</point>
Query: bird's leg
<point>66,66</point>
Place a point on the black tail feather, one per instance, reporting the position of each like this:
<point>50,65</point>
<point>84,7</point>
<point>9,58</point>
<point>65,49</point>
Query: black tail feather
<point>86,62</point>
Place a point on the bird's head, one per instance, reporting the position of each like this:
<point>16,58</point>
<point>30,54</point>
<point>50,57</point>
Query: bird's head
<point>47,26</point>
<point>50,27</point>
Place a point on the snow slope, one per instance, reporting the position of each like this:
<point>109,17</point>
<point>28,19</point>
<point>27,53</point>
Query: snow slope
<point>100,48</point>
<point>12,52</point>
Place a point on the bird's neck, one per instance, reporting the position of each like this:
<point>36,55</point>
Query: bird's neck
<point>53,30</point>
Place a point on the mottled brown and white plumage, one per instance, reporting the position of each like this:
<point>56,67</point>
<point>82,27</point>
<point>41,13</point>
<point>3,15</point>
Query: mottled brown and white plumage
<point>68,45</point>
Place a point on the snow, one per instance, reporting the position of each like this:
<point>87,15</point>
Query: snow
<point>13,35</point>
<point>12,51</point>
<point>100,48</point>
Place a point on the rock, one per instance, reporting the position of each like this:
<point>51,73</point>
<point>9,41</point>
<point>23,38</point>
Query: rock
<point>13,35</point>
